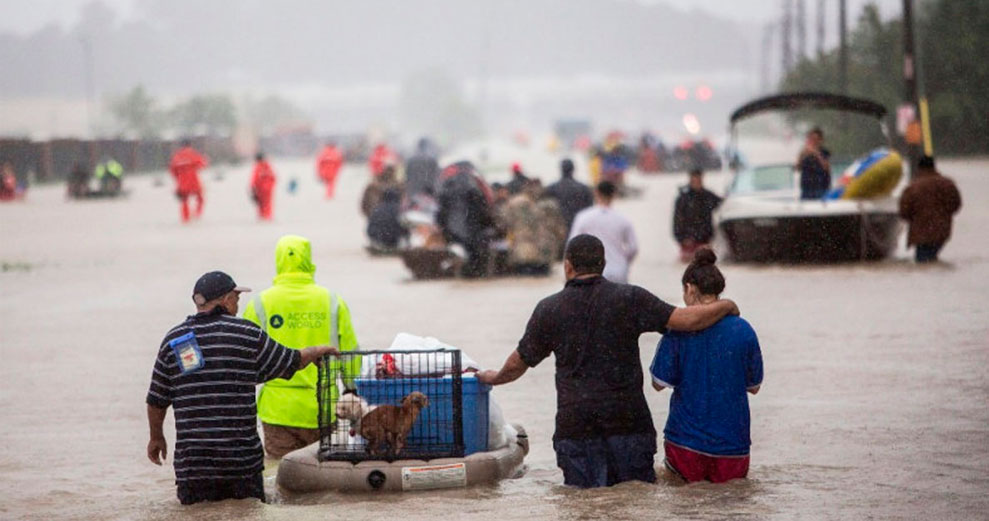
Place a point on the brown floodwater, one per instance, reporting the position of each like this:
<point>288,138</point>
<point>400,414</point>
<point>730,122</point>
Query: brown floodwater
<point>875,402</point>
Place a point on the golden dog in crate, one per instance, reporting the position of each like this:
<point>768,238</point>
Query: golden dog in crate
<point>391,424</point>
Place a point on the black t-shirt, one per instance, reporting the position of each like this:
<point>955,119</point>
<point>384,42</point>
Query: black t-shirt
<point>593,328</point>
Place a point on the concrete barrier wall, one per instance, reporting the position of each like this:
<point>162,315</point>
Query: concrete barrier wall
<point>53,159</point>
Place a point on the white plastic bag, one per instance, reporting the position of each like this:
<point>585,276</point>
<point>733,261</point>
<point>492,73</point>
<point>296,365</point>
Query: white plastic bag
<point>500,433</point>
<point>418,365</point>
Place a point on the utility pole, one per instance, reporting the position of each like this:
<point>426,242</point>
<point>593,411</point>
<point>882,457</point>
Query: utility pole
<point>843,48</point>
<point>767,50</point>
<point>801,30</point>
<point>820,27</point>
<point>87,60</point>
<point>910,85</point>
<point>787,34</point>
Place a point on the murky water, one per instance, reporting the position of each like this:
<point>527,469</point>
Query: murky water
<point>875,403</point>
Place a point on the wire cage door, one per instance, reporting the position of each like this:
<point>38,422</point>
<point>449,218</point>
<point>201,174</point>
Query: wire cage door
<point>388,405</point>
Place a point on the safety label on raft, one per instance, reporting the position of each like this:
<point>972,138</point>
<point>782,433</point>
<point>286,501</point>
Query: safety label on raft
<point>434,476</point>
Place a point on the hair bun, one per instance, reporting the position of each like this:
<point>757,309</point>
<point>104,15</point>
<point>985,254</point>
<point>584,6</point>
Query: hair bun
<point>705,257</point>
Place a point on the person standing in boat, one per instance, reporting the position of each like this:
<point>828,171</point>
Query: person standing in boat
<point>814,164</point>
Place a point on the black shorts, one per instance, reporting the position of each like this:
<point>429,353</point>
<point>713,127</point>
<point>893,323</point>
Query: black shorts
<point>199,490</point>
<point>603,462</point>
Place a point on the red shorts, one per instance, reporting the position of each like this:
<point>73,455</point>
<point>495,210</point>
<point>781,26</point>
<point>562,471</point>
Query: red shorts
<point>694,466</point>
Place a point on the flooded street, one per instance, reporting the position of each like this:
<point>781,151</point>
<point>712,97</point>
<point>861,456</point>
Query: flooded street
<point>875,402</point>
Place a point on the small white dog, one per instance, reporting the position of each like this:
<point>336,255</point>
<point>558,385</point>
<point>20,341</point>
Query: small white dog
<point>352,408</point>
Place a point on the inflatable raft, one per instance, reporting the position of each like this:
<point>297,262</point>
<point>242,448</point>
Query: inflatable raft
<point>873,176</point>
<point>302,471</point>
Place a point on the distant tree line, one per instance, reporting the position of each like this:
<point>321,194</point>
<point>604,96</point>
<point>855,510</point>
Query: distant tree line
<point>952,42</point>
<point>136,113</point>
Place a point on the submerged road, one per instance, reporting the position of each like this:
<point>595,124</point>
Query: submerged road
<point>874,403</point>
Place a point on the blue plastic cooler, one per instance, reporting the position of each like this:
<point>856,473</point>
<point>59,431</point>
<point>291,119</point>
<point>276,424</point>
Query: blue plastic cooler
<point>433,428</point>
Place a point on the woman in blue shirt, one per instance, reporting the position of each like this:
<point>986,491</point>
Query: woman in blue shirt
<point>710,371</point>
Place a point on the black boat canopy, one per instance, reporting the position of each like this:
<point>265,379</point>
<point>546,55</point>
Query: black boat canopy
<point>816,100</point>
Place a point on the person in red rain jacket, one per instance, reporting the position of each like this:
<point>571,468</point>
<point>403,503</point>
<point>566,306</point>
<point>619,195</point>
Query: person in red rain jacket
<point>328,166</point>
<point>381,157</point>
<point>263,186</point>
<point>185,167</point>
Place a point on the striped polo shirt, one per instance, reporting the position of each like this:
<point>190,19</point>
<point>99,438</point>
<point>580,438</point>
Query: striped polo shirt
<point>213,393</point>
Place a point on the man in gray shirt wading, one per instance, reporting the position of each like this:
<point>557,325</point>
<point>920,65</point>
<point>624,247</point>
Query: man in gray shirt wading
<point>613,229</point>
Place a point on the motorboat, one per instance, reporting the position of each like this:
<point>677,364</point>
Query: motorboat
<point>764,219</point>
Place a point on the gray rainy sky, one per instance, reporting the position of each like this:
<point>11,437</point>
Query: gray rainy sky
<point>24,16</point>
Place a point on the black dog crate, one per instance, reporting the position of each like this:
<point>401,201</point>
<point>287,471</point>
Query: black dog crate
<point>384,379</point>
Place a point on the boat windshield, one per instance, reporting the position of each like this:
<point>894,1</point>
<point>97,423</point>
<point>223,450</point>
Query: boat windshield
<point>764,179</point>
<point>778,137</point>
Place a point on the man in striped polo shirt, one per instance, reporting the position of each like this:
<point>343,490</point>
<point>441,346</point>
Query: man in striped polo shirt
<point>207,369</point>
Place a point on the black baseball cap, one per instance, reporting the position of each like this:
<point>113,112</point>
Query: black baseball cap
<point>214,284</point>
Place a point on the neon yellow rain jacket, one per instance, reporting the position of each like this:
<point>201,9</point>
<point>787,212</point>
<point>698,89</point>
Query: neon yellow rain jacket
<point>297,313</point>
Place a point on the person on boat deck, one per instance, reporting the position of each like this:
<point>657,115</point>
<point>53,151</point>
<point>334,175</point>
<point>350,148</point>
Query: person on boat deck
<point>692,227</point>
<point>928,204</point>
<point>814,164</point>
<point>710,371</point>
<point>604,431</point>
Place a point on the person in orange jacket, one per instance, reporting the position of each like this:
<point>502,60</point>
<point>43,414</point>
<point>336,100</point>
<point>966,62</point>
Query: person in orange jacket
<point>263,186</point>
<point>185,167</point>
<point>381,157</point>
<point>328,166</point>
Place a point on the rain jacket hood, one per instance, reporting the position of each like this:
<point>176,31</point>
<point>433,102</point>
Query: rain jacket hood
<point>293,260</point>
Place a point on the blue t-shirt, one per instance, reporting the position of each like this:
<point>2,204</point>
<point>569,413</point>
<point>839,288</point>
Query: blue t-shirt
<point>710,372</point>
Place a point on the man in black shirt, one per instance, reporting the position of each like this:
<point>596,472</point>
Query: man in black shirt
<point>572,195</point>
<point>604,431</point>
<point>692,212</point>
<point>207,368</point>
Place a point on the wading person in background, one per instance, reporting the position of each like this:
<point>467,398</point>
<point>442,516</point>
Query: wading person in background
<point>604,431</point>
<point>206,370</point>
<point>518,180</point>
<point>692,225</point>
<point>572,195</point>
<point>465,216</point>
<point>710,371</point>
<point>384,226</point>
<point>815,166</point>
<point>534,230</point>
<point>78,185</point>
<point>185,167</point>
<point>109,176</point>
<point>296,312</point>
<point>422,172</point>
<point>928,205</point>
<point>374,190</point>
<point>614,230</point>
<point>263,186</point>
<point>381,157</point>
<point>328,166</point>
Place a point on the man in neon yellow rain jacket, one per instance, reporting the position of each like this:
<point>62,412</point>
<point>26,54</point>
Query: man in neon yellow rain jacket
<point>296,313</point>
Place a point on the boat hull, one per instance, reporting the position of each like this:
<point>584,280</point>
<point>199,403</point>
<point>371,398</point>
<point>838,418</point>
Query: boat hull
<point>811,238</point>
